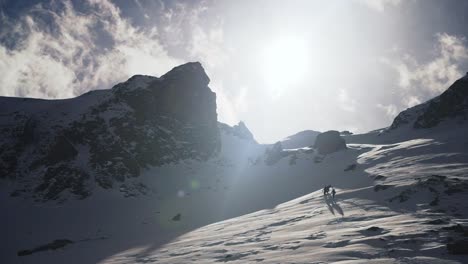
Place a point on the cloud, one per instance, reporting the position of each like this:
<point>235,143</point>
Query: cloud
<point>379,5</point>
<point>209,46</point>
<point>391,110</point>
<point>346,102</point>
<point>66,57</point>
<point>199,33</point>
<point>437,74</point>
<point>421,81</point>
<point>142,9</point>
<point>72,51</point>
<point>412,101</point>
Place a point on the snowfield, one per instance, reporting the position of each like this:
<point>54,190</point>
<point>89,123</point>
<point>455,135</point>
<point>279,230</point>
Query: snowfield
<point>400,201</point>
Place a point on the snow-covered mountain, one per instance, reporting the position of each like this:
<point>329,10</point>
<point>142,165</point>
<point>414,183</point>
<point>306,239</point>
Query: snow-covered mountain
<point>401,191</point>
<point>54,148</point>
<point>450,106</point>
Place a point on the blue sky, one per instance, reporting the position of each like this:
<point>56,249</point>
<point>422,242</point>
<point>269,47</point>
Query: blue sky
<point>281,68</point>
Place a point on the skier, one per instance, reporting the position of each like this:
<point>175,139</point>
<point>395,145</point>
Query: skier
<point>333,193</point>
<point>324,190</point>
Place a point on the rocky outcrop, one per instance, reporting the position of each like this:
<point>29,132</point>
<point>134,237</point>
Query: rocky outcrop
<point>240,130</point>
<point>329,142</point>
<point>450,105</point>
<point>109,135</point>
<point>346,133</point>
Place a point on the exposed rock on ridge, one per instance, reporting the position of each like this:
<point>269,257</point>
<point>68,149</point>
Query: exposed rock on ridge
<point>240,130</point>
<point>450,105</point>
<point>107,135</point>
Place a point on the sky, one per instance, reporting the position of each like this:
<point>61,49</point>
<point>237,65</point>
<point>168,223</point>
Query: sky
<point>279,66</point>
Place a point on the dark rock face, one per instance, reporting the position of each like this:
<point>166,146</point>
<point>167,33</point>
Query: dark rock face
<point>61,150</point>
<point>459,247</point>
<point>329,142</point>
<point>177,217</point>
<point>63,177</point>
<point>108,135</point>
<point>451,104</point>
<point>54,245</point>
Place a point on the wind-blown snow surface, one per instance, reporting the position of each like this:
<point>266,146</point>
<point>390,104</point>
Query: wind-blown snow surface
<point>401,199</point>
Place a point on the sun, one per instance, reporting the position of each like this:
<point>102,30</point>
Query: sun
<point>285,62</point>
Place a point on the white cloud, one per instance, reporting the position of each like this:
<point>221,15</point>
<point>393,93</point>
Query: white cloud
<point>186,27</point>
<point>208,46</point>
<point>421,81</point>
<point>206,43</point>
<point>71,61</point>
<point>391,110</point>
<point>346,102</point>
<point>437,74</point>
<point>412,101</point>
<point>379,5</point>
<point>240,102</point>
<point>142,9</point>
<point>418,81</point>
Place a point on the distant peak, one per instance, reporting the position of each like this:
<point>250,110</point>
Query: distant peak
<point>240,130</point>
<point>241,124</point>
<point>190,70</point>
<point>189,66</point>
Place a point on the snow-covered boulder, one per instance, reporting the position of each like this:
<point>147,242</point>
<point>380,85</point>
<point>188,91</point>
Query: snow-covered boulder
<point>329,142</point>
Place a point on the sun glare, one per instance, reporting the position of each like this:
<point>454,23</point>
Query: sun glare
<point>285,62</point>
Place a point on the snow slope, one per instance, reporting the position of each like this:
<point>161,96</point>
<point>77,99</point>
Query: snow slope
<point>387,221</point>
<point>382,210</point>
